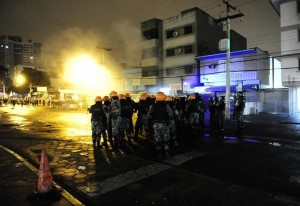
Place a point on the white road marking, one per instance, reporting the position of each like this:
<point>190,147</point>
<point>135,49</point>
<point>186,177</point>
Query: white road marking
<point>121,180</point>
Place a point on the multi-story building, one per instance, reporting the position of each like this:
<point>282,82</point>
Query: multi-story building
<point>289,11</point>
<point>169,47</point>
<point>14,52</point>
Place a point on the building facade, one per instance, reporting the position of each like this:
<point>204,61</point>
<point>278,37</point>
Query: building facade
<point>289,11</point>
<point>13,52</point>
<point>251,71</point>
<point>169,47</point>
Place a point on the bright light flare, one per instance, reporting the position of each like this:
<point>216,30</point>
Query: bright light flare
<point>20,80</point>
<point>85,73</point>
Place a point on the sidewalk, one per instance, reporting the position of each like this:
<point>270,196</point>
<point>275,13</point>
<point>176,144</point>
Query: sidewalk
<point>18,182</point>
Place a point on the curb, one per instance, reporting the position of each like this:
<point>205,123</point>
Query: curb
<point>63,192</point>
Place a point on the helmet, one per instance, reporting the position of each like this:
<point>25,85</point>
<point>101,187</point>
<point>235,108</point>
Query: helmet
<point>105,98</point>
<point>113,93</point>
<point>152,96</point>
<point>160,96</point>
<point>127,95</point>
<point>122,96</point>
<point>143,96</point>
<point>168,99</point>
<point>192,97</point>
<point>98,99</point>
<point>176,97</point>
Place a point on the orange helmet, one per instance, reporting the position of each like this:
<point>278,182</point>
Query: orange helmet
<point>113,93</point>
<point>105,98</point>
<point>127,95</point>
<point>122,96</point>
<point>98,99</point>
<point>192,97</point>
<point>160,96</point>
<point>143,96</point>
<point>168,99</point>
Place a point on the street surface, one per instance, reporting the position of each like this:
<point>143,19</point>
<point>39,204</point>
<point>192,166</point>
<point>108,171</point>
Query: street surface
<point>260,168</point>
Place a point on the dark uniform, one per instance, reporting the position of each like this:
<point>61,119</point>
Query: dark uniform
<point>126,114</point>
<point>114,112</point>
<point>160,115</point>
<point>239,107</point>
<point>98,122</point>
<point>133,106</point>
<point>220,113</point>
<point>142,111</point>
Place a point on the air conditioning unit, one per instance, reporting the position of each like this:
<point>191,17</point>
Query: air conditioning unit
<point>175,33</point>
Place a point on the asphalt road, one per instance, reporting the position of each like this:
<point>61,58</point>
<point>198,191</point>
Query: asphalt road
<point>264,159</point>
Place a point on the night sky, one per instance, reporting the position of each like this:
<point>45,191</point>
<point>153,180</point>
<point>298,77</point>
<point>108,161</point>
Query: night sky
<point>63,26</point>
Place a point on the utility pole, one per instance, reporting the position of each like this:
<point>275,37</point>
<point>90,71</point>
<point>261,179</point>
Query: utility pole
<point>227,20</point>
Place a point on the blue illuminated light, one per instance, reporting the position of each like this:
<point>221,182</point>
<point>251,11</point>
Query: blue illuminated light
<point>223,55</point>
<point>251,140</point>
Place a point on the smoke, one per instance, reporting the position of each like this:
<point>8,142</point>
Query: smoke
<point>113,47</point>
<point>129,42</point>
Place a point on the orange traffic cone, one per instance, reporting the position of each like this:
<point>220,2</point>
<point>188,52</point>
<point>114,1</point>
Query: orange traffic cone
<point>45,180</point>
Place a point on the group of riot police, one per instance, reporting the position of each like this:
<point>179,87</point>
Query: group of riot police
<point>160,117</point>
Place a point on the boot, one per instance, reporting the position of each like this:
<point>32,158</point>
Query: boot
<point>98,144</point>
<point>105,143</point>
<point>129,139</point>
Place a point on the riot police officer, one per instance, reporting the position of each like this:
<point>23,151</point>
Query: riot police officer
<point>98,122</point>
<point>160,115</point>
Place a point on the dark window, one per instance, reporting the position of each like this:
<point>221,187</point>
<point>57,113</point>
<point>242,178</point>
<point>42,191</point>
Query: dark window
<point>180,50</point>
<point>170,52</point>
<point>173,33</point>
<point>189,69</point>
<point>150,71</point>
<point>170,71</point>
<point>188,29</point>
<point>298,6</point>
<point>151,34</point>
<point>188,49</point>
<point>299,64</point>
<point>298,35</point>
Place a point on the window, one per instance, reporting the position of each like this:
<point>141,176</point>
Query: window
<point>172,33</point>
<point>188,29</point>
<point>189,69</point>
<point>150,71</point>
<point>298,6</point>
<point>189,49</point>
<point>298,35</point>
<point>170,71</point>
<point>179,31</point>
<point>299,64</point>
<point>170,52</point>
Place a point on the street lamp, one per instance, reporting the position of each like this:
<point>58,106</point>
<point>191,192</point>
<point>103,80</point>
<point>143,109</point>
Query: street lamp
<point>20,80</point>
